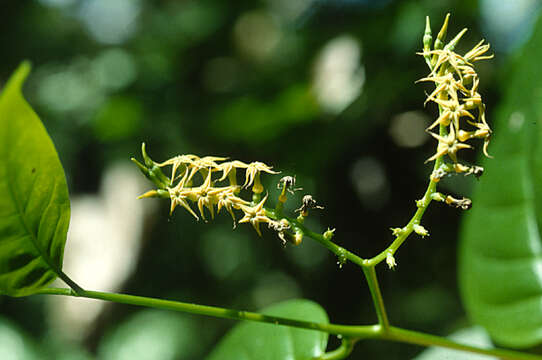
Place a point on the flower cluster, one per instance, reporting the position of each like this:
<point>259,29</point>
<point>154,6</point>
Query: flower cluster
<point>185,169</point>
<point>218,188</point>
<point>461,118</point>
<point>462,112</point>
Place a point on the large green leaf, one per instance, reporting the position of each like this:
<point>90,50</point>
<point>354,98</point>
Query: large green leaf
<point>500,257</point>
<point>474,336</point>
<point>258,341</point>
<point>34,203</point>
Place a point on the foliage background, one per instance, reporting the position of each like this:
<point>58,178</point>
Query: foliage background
<point>323,89</point>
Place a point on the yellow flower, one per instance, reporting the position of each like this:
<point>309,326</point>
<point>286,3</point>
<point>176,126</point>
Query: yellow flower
<point>204,165</point>
<point>445,83</point>
<point>255,215</point>
<point>178,197</point>
<point>252,175</point>
<point>448,145</point>
<point>227,199</point>
<point>476,53</point>
<point>229,170</point>
<point>205,195</point>
<point>177,162</point>
<point>452,112</point>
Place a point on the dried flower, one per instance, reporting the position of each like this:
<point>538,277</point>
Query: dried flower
<point>308,202</point>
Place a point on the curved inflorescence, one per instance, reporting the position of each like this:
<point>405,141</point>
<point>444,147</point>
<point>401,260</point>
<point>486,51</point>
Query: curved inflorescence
<point>462,111</point>
<point>210,183</point>
<point>461,118</point>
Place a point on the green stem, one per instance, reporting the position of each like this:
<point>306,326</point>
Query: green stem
<point>72,284</point>
<point>330,245</point>
<point>354,332</point>
<point>416,219</point>
<point>345,330</point>
<point>422,204</point>
<point>414,337</point>
<point>378,301</point>
<point>347,345</point>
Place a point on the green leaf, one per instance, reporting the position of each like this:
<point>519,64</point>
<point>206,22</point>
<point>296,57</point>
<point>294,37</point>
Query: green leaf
<point>153,334</point>
<point>474,336</point>
<point>259,341</point>
<point>500,256</point>
<point>34,202</point>
<point>15,344</point>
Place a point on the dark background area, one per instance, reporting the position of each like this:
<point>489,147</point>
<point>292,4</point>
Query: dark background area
<point>323,89</point>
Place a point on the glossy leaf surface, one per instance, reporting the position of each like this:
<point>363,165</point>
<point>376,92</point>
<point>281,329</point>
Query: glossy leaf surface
<point>500,259</point>
<point>34,203</point>
<point>259,341</point>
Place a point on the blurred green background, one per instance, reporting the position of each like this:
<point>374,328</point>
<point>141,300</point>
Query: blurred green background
<point>323,89</point>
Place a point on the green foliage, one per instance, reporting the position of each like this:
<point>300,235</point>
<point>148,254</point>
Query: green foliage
<point>34,206</point>
<point>473,336</point>
<point>251,120</point>
<point>118,119</point>
<point>501,252</point>
<point>258,341</point>
<point>14,344</point>
<point>152,334</point>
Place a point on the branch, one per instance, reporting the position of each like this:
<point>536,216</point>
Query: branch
<point>353,332</point>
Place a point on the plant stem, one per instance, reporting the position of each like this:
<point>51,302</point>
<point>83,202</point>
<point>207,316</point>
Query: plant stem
<point>415,220</point>
<point>422,204</point>
<point>414,337</point>
<point>354,332</point>
<point>378,301</point>
<point>346,330</point>
<point>347,345</point>
<point>330,245</point>
<point>72,284</point>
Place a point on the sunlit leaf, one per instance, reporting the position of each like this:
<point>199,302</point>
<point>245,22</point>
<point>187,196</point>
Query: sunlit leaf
<point>475,336</point>
<point>153,334</point>
<point>259,341</point>
<point>34,202</point>
<point>501,251</point>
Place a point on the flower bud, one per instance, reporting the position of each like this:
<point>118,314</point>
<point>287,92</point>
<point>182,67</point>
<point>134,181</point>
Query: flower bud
<point>420,230</point>
<point>390,260</point>
<point>328,234</point>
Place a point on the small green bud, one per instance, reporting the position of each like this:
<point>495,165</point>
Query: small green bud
<point>427,40</point>
<point>148,161</point>
<point>341,258</point>
<point>439,41</point>
<point>420,230</point>
<point>141,167</point>
<point>390,260</point>
<point>451,45</point>
<point>437,196</point>
<point>397,231</point>
<point>155,194</point>
<point>328,234</point>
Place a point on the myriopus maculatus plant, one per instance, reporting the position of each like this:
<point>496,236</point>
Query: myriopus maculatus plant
<point>205,186</point>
